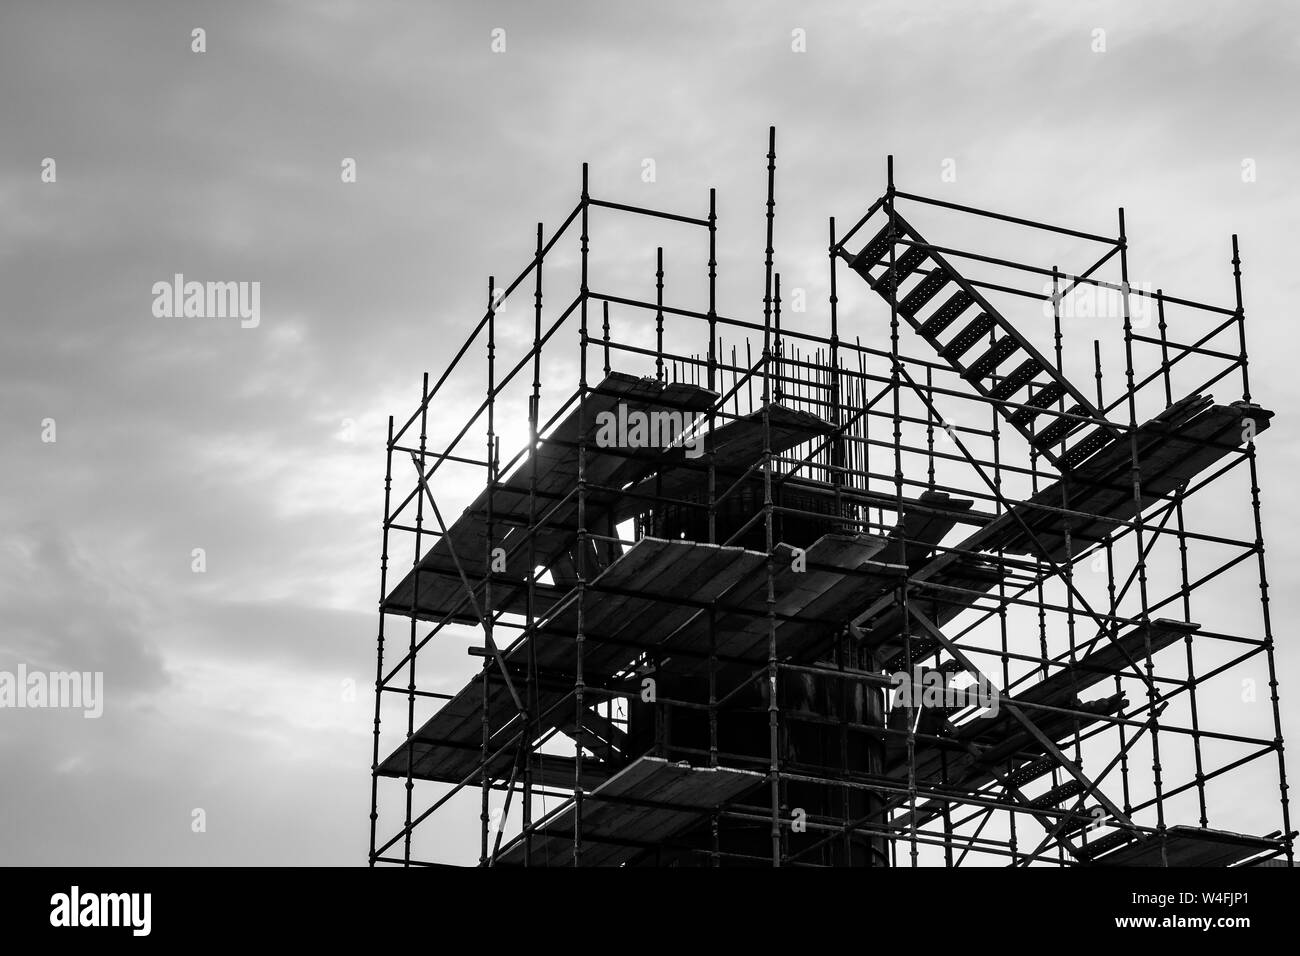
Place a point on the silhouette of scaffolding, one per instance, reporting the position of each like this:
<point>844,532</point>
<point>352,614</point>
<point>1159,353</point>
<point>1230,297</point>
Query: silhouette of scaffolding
<point>694,651</point>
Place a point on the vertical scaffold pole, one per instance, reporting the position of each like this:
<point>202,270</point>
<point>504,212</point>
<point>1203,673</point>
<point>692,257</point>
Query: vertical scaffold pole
<point>895,385</point>
<point>713,380</point>
<point>1263,571</point>
<point>837,444</point>
<point>488,642</point>
<point>995,418</point>
<point>379,658</point>
<point>778,391</point>
<point>659,314</point>
<point>534,405</point>
<point>605,334</point>
<point>713,291</point>
<point>1139,530</point>
<point>773,714</point>
<point>415,604</point>
<point>579,687</point>
<point>1112,604</point>
<point>1185,586</point>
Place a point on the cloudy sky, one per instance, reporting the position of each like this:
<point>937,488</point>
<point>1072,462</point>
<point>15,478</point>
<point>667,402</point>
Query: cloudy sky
<point>228,690</point>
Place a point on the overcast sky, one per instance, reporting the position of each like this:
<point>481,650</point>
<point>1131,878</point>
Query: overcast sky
<point>226,690</point>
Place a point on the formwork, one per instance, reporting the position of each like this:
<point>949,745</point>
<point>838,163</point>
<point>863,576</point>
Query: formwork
<point>690,613</point>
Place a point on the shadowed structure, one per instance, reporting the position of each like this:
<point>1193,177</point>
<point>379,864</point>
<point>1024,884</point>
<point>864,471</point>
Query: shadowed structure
<point>719,659</point>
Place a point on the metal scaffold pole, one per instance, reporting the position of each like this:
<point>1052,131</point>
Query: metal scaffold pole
<point>704,571</point>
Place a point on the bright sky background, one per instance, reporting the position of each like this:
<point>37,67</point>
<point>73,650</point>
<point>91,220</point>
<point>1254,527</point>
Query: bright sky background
<point>226,690</point>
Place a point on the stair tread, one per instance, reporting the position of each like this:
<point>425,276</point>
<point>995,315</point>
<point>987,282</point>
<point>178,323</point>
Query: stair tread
<point>1045,396</point>
<point>925,290</point>
<point>904,266</point>
<point>1032,771</point>
<point>1086,447</point>
<point>998,352</point>
<point>964,340</point>
<point>870,254</point>
<point>1059,429</point>
<point>1034,375</point>
<point>947,313</point>
<point>1107,842</point>
<point>1057,795</point>
<point>1021,376</point>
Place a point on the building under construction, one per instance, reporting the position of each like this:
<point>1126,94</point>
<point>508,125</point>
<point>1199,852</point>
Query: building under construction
<point>1028,486</point>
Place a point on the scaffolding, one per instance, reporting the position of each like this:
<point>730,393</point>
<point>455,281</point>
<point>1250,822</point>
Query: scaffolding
<point>708,647</point>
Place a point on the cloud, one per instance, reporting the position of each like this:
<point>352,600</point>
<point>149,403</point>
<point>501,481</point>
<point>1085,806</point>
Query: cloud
<point>225,687</point>
<point>66,611</point>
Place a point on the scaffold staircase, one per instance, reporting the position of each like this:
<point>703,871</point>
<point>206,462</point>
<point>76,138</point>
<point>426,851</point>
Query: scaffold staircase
<point>914,277</point>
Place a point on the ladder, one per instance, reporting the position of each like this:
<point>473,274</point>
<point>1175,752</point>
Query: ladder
<point>916,280</point>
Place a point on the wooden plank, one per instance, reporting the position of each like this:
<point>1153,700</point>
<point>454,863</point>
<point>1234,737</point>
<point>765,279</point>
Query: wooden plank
<point>698,572</point>
<point>663,613</point>
<point>734,446</point>
<point>744,633</point>
<point>1188,846</point>
<point>1106,660</point>
<point>677,570</point>
<point>1001,743</point>
<point>648,802</point>
<point>557,463</point>
<point>1173,448</point>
